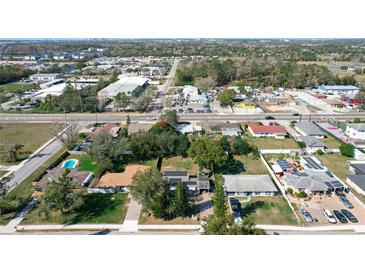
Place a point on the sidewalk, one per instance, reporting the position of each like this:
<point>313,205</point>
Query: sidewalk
<point>130,223</point>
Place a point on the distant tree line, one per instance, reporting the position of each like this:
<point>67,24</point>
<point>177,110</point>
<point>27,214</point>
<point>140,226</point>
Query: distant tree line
<point>11,73</point>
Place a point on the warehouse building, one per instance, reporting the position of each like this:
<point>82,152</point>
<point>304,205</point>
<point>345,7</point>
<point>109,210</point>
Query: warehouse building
<point>348,91</point>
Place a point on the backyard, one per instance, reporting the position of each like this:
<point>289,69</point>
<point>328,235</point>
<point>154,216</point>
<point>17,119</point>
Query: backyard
<point>97,209</point>
<point>272,143</point>
<point>269,210</point>
<point>181,163</point>
<point>251,164</point>
<point>330,142</point>
<point>31,136</point>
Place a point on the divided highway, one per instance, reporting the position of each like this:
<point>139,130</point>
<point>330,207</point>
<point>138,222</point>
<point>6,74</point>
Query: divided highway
<point>118,117</point>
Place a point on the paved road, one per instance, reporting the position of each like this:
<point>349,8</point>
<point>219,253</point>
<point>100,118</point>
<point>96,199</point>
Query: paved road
<point>165,87</point>
<point>34,162</point>
<point>117,117</point>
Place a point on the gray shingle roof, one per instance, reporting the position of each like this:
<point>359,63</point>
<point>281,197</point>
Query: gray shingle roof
<point>309,179</point>
<point>311,141</point>
<point>249,183</point>
<point>359,168</point>
<point>309,128</point>
<point>359,180</point>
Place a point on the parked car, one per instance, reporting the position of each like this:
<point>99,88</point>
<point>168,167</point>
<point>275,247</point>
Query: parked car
<point>340,216</point>
<point>306,215</point>
<point>296,114</point>
<point>349,215</point>
<point>269,117</point>
<point>329,216</point>
<point>346,201</point>
<point>237,219</point>
<point>235,204</point>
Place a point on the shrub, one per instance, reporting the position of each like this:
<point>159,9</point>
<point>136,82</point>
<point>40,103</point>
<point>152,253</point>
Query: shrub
<point>320,152</point>
<point>347,150</point>
<point>302,195</point>
<point>290,191</point>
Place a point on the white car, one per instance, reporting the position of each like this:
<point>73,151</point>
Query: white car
<point>329,216</point>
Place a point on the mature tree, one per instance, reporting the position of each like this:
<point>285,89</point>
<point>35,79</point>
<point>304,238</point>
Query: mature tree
<point>142,103</point>
<point>160,127</point>
<point>180,201</point>
<point>207,153</point>
<point>183,144</point>
<point>226,97</point>
<point>347,150</point>
<point>146,187</point>
<point>122,101</point>
<point>221,223</point>
<point>60,195</point>
<point>171,117</point>
<point>105,148</point>
<point>161,205</point>
<point>13,151</point>
<point>68,136</point>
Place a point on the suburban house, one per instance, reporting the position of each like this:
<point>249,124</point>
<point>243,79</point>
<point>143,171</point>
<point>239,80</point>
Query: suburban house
<point>227,129</point>
<point>115,182</point>
<point>357,181</point>
<point>311,144</point>
<point>111,128</point>
<point>249,185</point>
<point>313,181</point>
<point>136,127</point>
<point>277,131</point>
<point>356,131</point>
<point>79,178</point>
<point>307,128</point>
<point>199,183</point>
<point>348,91</point>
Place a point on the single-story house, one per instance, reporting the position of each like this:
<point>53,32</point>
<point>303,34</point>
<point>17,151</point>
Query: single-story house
<point>78,178</point>
<point>307,128</point>
<point>357,167</point>
<point>356,131</point>
<point>312,144</point>
<point>313,181</point>
<point>249,185</point>
<point>110,127</point>
<point>199,183</point>
<point>227,129</point>
<point>120,181</point>
<point>277,131</point>
<point>357,181</point>
<point>136,127</point>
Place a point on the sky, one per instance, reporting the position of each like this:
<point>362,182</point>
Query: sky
<point>182,19</point>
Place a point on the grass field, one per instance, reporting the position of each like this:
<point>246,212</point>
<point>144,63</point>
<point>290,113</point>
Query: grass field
<point>272,143</point>
<point>97,209</point>
<point>330,142</point>
<point>338,164</point>
<point>17,87</point>
<point>32,136</point>
<point>22,194</point>
<point>269,210</point>
<point>251,164</point>
<point>181,163</point>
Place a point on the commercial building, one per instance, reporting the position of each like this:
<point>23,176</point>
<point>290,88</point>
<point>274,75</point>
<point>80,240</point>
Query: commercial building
<point>356,131</point>
<point>276,131</point>
<point>45,77</point>
<point>348,91</point>
<point>249,185</point>
<point>307,128</point>
<point>190,91</point>
<point>131,86</point>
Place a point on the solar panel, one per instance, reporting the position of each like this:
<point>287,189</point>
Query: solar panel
<point>284,164</point>
<point>313,164</point>
<point>329,173</point>
<point>337,184</point>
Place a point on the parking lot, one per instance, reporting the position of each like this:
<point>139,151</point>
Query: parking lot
<point>318,203</point>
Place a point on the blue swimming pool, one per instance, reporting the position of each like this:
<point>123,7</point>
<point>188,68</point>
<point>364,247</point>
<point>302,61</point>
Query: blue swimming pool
<point>72,163</point>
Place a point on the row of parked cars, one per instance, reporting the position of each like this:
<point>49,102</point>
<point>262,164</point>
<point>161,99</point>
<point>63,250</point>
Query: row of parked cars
<point>343,215</point>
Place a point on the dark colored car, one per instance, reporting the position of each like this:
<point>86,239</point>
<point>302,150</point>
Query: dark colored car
<point>340,216</point>
<point>345,201</point>
<point>270,118</point>
<point>349,215</point>
<point>235,204</point>
<point>296,114</point>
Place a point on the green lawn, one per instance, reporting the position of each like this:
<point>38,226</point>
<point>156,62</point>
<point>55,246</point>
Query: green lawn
<point>338,164</point>
<point>22,194</point>
<point>181,163</point>
<point>269,210</point>
<point>330,142</point>
<point>251,164</point>
<point>17,87</point>
<point>32,136</point>
<point>272,143</point>
<point>86,163</point>
<point>97,209</point>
